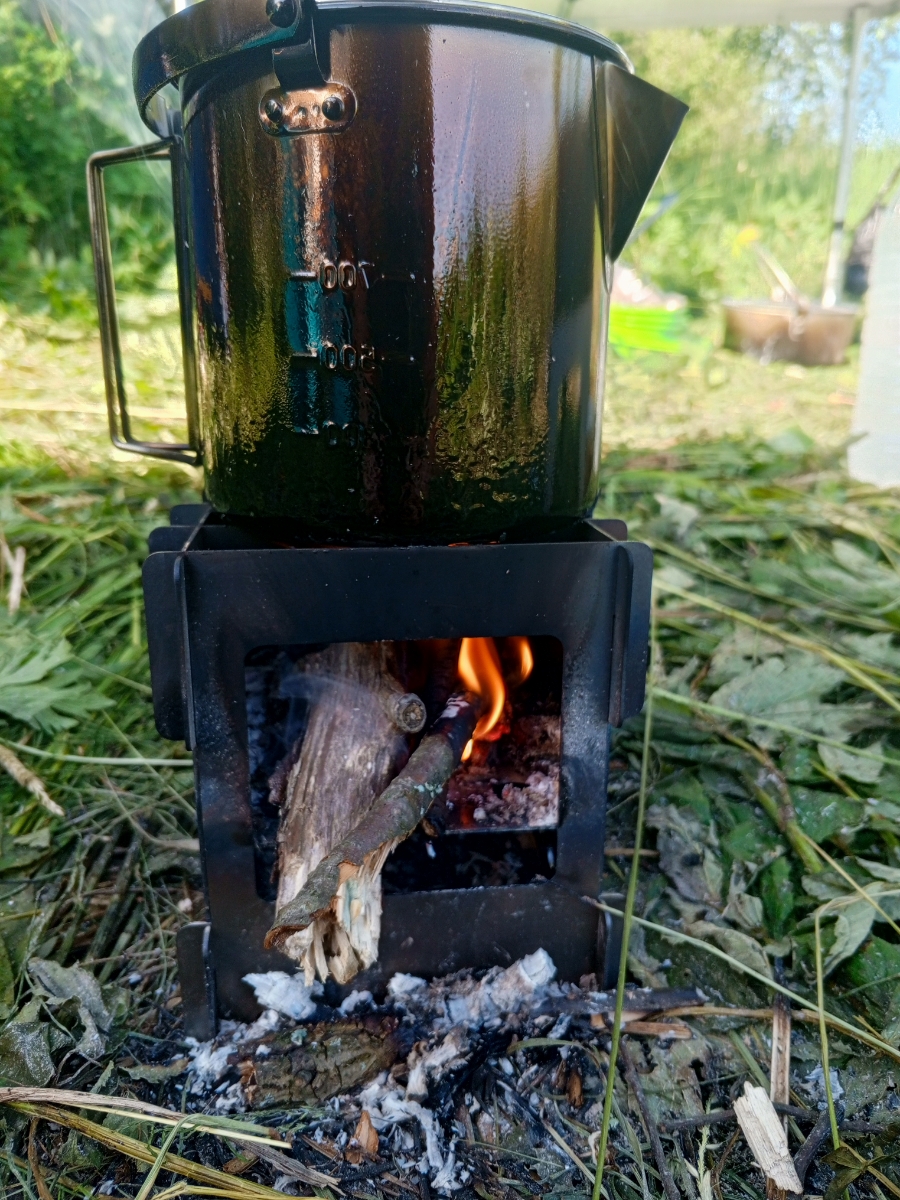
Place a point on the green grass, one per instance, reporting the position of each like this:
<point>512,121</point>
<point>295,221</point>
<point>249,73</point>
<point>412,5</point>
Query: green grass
<point>777,601</point>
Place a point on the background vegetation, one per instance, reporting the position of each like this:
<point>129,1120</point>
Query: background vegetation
<point>51,120</point>
<point>759,146</point>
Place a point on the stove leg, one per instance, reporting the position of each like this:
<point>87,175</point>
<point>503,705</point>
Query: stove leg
<point>198,981</point>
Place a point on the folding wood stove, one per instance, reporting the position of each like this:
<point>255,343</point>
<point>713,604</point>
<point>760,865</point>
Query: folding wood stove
<point>216,591</point>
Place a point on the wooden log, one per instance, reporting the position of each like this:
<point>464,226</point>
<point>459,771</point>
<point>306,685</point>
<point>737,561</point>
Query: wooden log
<point>333,922</point>
<point>350,751</point>
<point>332,1059</point>
<point>354,744</point>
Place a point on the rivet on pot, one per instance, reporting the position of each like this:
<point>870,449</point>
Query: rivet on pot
<point>281,12</point>
<point>274,110</point>
<point>333,108</point>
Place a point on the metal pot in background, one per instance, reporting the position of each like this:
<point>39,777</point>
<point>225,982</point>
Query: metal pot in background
<point>396,224</point>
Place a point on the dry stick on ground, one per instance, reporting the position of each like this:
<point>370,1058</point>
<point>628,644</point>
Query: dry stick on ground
<point>817,1135</point>
<point>344,890</point>
<point>716,1173</point>
<point>39,1181</point>
<point>14,766</point>
<point>780,1067</point>
<point>721,1116</point>
<point>659,1155</point>
<point>766,1137</point>
<point>16,564</point>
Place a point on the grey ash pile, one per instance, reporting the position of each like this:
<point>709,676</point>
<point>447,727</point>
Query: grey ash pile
<point>446,1087</point>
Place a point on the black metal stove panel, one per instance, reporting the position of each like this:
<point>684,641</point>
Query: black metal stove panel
<point>207,608</point>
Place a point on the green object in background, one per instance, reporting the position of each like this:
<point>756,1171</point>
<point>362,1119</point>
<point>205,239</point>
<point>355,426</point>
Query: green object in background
<point>659,329</point>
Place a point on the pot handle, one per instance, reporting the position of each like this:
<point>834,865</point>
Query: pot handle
<point>110,342</point>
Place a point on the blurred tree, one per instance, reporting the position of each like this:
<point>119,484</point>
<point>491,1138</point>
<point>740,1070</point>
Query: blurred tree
<point>758,147</point>
<point>49,125</point>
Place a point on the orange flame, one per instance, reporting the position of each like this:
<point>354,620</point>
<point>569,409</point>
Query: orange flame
<point>481,672</point>
<point>522,648</point>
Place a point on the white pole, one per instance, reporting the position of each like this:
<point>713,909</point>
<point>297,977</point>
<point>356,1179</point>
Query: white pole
<point>832,290</point>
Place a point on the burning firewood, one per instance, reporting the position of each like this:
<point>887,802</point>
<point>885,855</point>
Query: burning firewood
<point>352,748</point>
<point>329,913</point>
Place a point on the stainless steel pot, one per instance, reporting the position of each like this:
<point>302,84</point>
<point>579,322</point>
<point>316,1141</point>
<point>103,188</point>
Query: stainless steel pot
<point>396,224</point>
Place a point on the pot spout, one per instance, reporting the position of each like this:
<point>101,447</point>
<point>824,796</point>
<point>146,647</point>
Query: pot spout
<point>637,125</point>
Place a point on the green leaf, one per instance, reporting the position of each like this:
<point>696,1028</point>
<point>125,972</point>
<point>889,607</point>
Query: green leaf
<point>845,762</point>
<point>822,814</point>
<point>777,895</point>
<point>741,946</point>
<point>874,649</point>
<point>25,1055</point>
<point>799,763</point>
<point>854,577</point>
<point>739,653</point>
<point>880,870</point>
<point>749,841</point>
<point>685,854</point>
<point>842,1181</point>
<point>790,689</point>
<point>852,927</point>
<point>41,685</point>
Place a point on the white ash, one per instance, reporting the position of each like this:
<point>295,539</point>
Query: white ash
<point>534,804</point>
<point>428,1063</point>
<point>465,1001</point>
<point>289,995</point>
<point>354,1001</point>
<point>210,1060</point>
<point>403,985</point>
<point>815,1085</point>
<point>452,1010</point>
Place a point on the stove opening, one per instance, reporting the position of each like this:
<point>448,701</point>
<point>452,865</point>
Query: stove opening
<point>329,727</point>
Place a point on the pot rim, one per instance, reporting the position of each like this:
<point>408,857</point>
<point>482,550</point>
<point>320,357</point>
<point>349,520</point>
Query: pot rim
<point>213,30</point>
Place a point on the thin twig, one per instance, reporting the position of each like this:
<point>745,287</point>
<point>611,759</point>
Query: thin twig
<point>716,1174</point>
<point>814,1140</point>
<point>39,1181</point>
<point>656,1145</point>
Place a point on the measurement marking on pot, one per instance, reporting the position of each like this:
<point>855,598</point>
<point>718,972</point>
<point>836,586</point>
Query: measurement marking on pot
<point>346,356</point>
<point>346,275</point>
